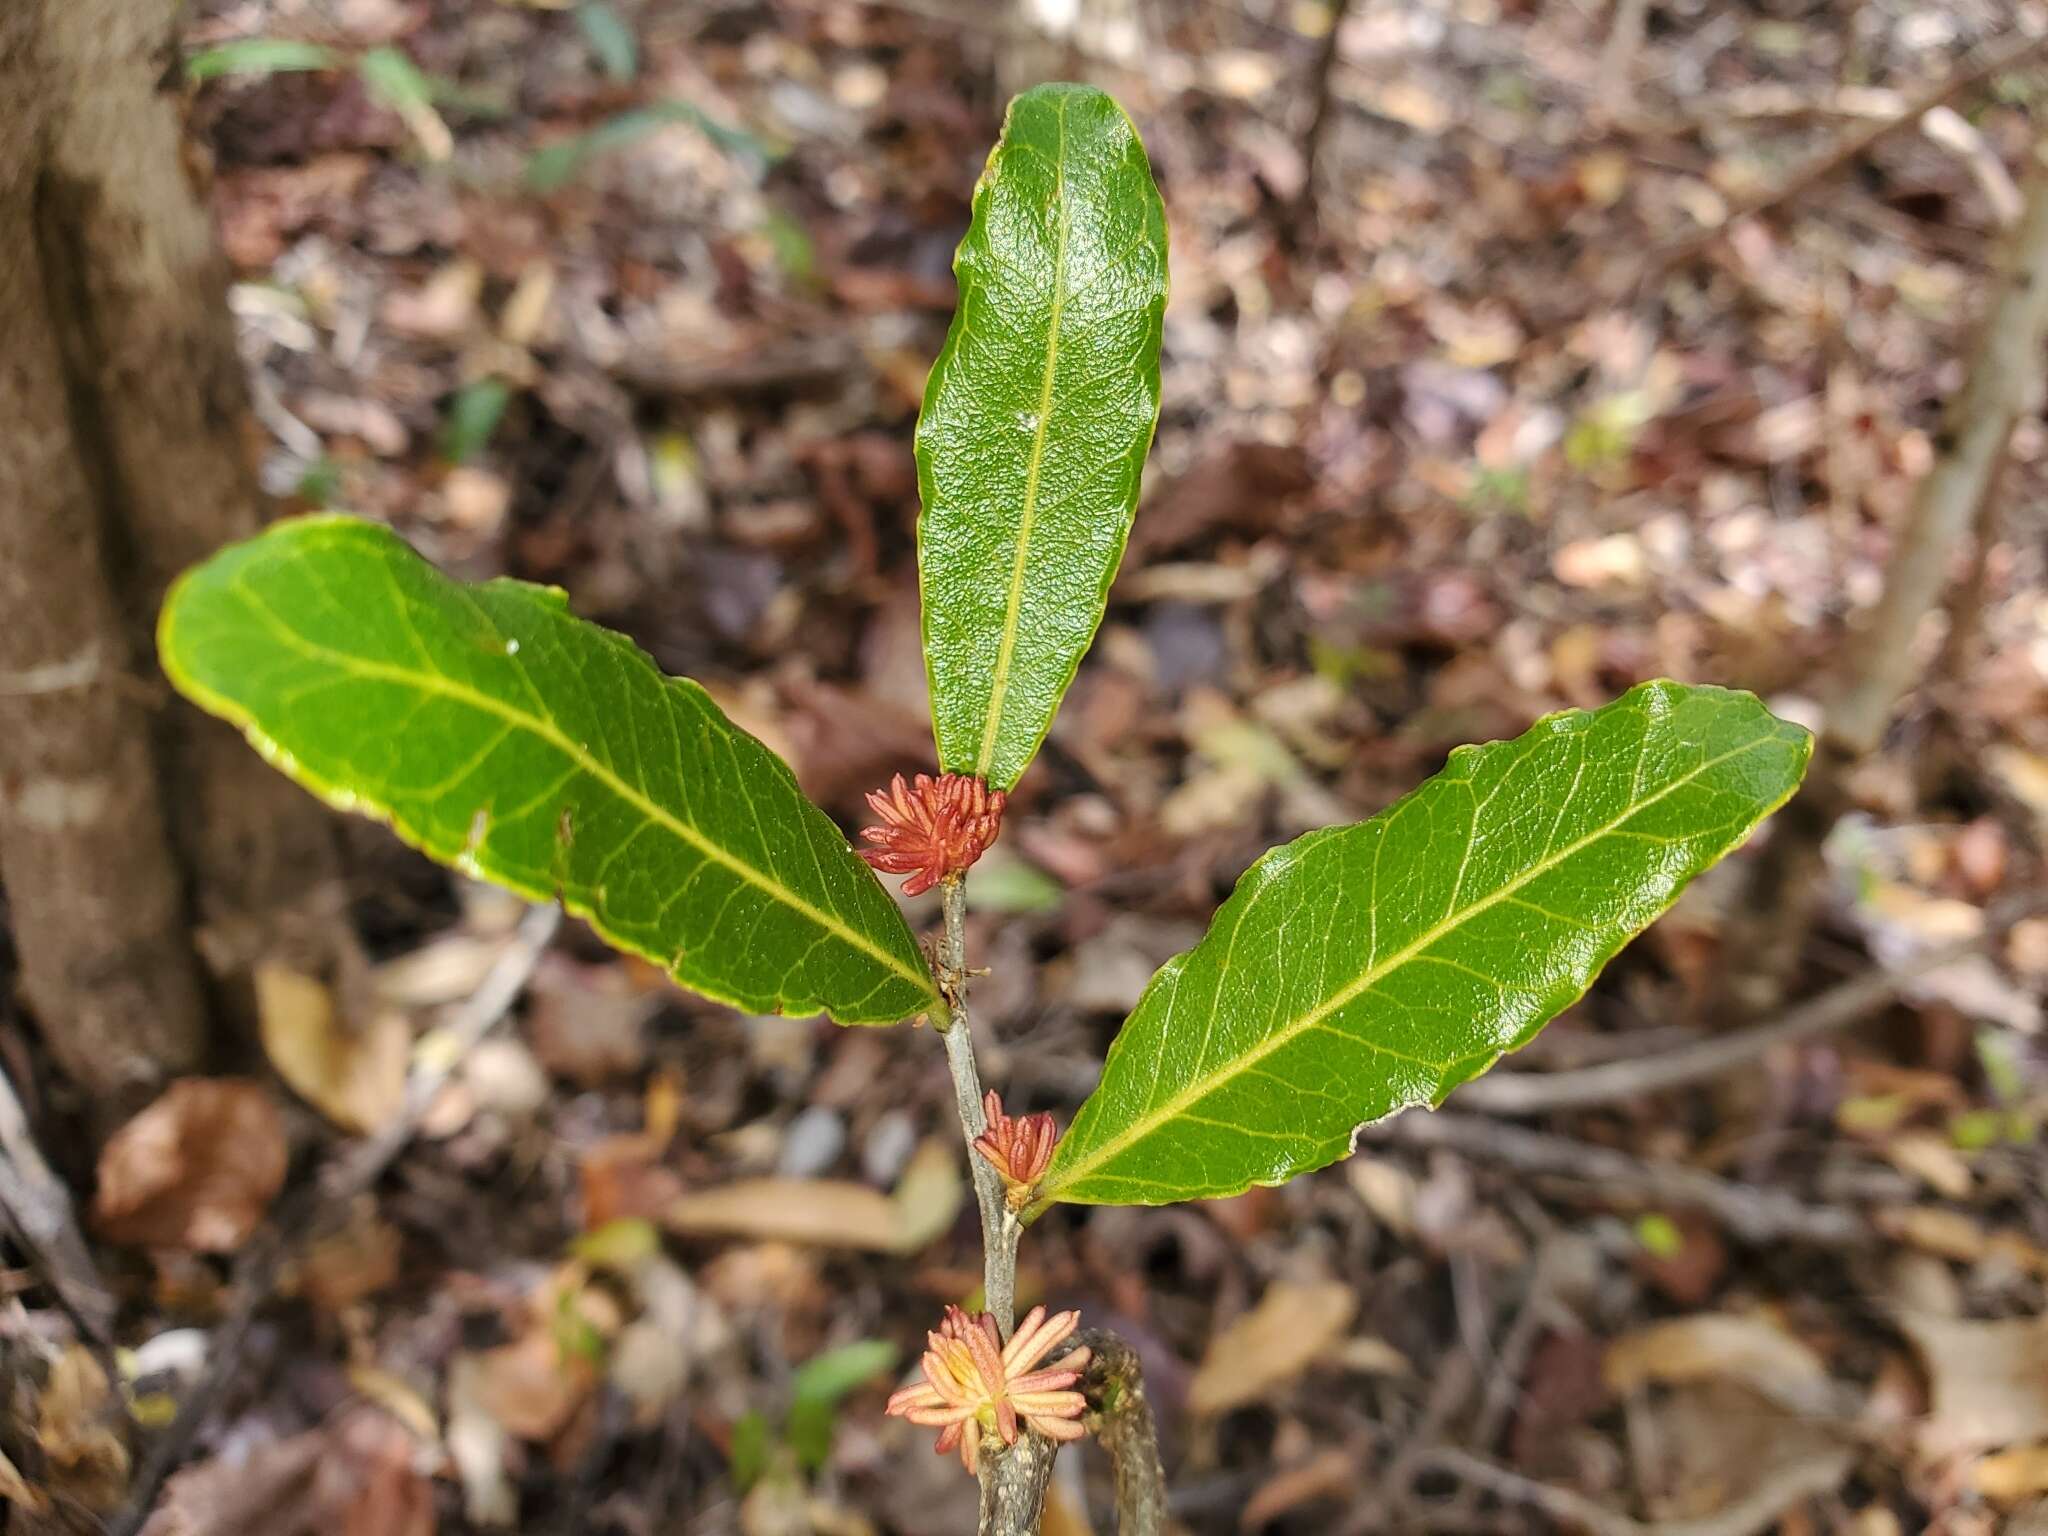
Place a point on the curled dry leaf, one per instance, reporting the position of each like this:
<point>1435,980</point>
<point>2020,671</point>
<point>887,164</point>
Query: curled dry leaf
<point>355,1076</point>
<point>2013,1475</point>
<point>75,1419</point>
<point>1988,1382</point>
<point>357,1476</point>
<point>833,1213</point>
<point>1290,1329</point>
<point>196,1169</point>
<point>825,1213</point>
<point>1711,1346</point>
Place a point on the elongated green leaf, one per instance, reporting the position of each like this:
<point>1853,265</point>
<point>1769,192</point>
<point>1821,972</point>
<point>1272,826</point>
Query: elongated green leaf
<point>503,735</point>
<point>258,56</point>
<point>1362,969</point>
<point>1037,418</point>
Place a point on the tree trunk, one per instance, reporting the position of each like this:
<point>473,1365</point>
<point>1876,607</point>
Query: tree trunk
<point>128,444</point>
<point>96,903</point>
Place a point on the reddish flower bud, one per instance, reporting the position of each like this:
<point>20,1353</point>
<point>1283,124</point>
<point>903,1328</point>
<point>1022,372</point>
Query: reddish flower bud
<point>1019,1146</point>
<point>932,828</point>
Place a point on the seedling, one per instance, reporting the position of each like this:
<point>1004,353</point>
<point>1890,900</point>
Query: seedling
<point>1356,971</point>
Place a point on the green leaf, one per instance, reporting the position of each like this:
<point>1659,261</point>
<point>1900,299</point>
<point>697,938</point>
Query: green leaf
<point>258,56</point>
<point>473,418</point>
<point>501,734</point>
<point>748,1452</point>
<point>1037,418</point>
<point>394,79</point>
<point>1363,969</point>
<point>552,168</point>
<point>610,39</point>
<point>819,1385</point>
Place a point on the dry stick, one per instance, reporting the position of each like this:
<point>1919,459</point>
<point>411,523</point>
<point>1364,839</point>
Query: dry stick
<point>34,1202</point>
<point>1535,1093</point>
<point>1851,147</point>
<point>1881,667</point>
<point>1304,211</point>
<point>1809,1477</point>
<point>1980,419</point>
<point>1618,58</point>
<point>1013,1480</point>
<point>1752,1214</point>
<point>1121,1420</point>
<point>255,1272</point>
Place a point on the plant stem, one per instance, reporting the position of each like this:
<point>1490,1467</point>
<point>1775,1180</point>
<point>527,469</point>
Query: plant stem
<point>1121,1421</point>
<point>999,1227</point>
<point>1013,1485</point>
<point>1013,1480</point>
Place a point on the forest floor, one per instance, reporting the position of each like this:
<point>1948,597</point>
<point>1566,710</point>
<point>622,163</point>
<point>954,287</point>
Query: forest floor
<point>639,299</point>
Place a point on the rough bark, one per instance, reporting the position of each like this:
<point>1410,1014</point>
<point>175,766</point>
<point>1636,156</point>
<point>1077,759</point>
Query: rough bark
<point>98,911</point>
<point>137,835</point>
<point>1121,1420</point>
<point>1014,1483</point>
<point>128,237</point>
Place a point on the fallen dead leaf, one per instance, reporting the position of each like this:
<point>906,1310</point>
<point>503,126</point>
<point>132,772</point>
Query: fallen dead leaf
<point>478,1444</point>
<point>1988,1382</point>
<point>1952,1234</point>
<point>1328,1474</point>
<point>928,1195</point>
<point>344,1267</point>
<point>353,1076</point>
<point>2012,1475</point>
<point>357,1476</point>
<point>14,1488</point>
<point>823,1213</point>
<point>532,1386</point>
<point>75,1421</point>
<point>588,1025</point>
<point>1715,1346</point>
<point>196,1169</point>
<point>1740,1460</point>
<point>1267,1347</point>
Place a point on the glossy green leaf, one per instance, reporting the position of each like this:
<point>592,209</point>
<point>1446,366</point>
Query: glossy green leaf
<point>258,56</point>
<point>1363,969</point>
<point>819,1385</point>
<point>1037,418</point>
<point>501,734</point>
<point>609,38</point>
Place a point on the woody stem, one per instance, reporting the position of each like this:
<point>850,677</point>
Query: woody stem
<point>999,1227</point>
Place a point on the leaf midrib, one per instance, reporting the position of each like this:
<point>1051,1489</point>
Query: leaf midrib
<point>547,730</point>
<point>999,684</point>
<point>1151,1120</point>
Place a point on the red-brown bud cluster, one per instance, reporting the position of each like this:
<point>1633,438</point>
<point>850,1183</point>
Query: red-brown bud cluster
<point>1019,1147</point>
<point>932,828</point>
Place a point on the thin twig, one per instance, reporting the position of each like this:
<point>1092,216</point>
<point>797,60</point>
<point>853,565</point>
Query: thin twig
<point>1304,211</point>
<point>1851,147</point>
<point>1535,1093</point>
<point>256,1268</point>
<point>1121,1420</point>
<point>34,1202</point>
<point>1808,1477</point>
<point>1751,1214</point>
<point>1977,424</point>
<point>1013,1480</point>
<point>999,1228</point>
